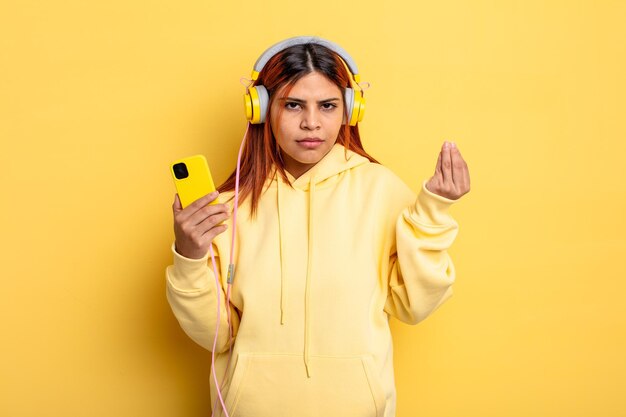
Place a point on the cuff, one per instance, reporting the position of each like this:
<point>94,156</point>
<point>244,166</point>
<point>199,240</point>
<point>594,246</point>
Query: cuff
<point>432,206</point>
<point>187,273</point>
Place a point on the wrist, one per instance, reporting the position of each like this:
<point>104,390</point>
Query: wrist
<point>188,253</point>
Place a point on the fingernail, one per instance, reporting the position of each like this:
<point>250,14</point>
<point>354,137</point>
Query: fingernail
<point>446,145</point>
<point>453,144</point>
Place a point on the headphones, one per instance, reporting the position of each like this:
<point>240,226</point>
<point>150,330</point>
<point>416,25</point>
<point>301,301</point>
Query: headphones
<point>256,100</point>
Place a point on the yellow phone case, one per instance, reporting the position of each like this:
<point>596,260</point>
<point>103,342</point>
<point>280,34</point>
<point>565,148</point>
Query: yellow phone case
<point>192,178</point>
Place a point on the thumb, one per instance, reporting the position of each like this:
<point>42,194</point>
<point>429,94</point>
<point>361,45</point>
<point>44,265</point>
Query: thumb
<point>177,206</point>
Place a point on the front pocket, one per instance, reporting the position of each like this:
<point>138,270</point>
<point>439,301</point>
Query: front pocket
<point>276,385</point>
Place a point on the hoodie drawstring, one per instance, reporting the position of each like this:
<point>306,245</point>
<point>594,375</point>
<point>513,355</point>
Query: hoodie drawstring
<point>337,161</point>
<point>309,263</point>
<point>282,254</point>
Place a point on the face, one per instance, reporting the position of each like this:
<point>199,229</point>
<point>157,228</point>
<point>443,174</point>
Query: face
<point>310,121</point>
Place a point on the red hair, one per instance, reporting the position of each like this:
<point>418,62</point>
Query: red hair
<point>261,152</point>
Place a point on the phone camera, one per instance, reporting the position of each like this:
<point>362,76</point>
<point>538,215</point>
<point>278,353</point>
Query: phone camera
<point>180,171</point>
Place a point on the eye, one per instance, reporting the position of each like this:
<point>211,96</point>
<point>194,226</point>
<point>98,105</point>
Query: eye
<point>329,106</point>
<point>290,105</point>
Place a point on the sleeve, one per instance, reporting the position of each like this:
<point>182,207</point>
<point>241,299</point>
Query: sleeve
<point>193,296</point>
<point>421,272</point>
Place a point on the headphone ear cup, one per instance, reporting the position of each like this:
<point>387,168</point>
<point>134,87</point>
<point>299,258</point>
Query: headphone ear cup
<point>264,100</point>
<point>359,107</point>
<point>247,104</point>
<point>355,104</point>
<point>349,101</point>
<point>256,102</point>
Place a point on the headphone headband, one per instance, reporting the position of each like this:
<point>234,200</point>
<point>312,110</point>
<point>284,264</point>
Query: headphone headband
<point>301,40</point>
<point>256,100</point>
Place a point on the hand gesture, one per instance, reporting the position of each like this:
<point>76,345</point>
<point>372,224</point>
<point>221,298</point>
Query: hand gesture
<point>196,225</point>
<point>451,178</point>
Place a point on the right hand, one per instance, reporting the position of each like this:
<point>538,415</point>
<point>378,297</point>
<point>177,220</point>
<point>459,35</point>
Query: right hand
<point>196,225</point>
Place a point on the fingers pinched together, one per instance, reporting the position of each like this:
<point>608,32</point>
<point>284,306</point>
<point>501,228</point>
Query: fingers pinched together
<point>451,178</point>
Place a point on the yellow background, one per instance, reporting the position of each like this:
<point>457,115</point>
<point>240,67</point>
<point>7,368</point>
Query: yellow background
<point>97,98</point>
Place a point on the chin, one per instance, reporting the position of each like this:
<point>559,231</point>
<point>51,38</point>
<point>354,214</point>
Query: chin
<point>313,156</point>
<point>309,161</point>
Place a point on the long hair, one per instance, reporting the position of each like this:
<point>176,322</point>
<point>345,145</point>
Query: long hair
<point>261,152</point>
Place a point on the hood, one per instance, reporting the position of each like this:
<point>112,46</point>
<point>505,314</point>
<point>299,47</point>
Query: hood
<point>325,173</point>
<point>336,161</point>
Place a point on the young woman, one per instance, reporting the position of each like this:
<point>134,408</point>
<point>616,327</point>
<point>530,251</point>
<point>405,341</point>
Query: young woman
<point>328,245</point>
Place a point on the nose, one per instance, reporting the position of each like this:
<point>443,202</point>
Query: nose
<point>311,119</point>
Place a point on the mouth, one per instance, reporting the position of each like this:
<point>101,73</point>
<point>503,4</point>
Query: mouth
<point>310,143</point>
<point>310,140</point>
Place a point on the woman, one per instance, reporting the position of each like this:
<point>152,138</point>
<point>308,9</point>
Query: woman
<point>328,245</point>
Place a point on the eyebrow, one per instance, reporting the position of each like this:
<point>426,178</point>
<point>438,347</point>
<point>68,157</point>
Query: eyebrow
<point>297,100</point>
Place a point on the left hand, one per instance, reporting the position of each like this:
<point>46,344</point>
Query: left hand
<point>451,179</point>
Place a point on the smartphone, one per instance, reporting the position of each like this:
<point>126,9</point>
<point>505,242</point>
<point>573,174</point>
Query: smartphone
<point>192,179</point>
